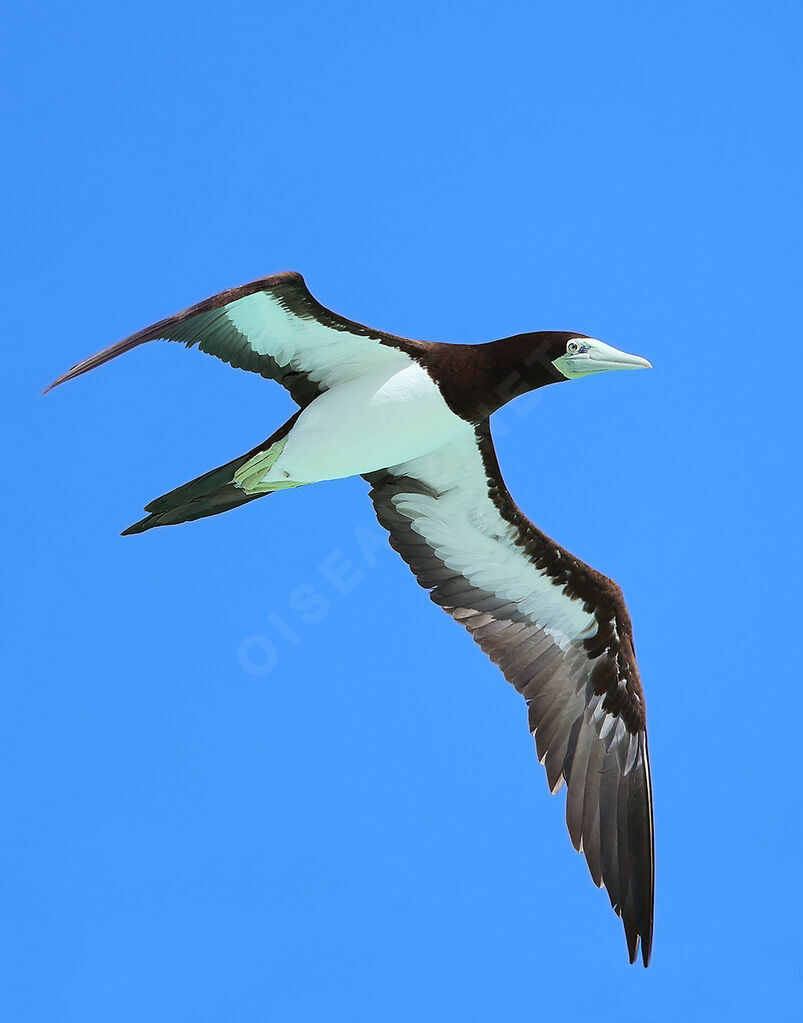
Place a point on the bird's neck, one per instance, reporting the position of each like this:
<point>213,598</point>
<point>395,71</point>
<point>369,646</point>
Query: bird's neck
<point>476,380</point>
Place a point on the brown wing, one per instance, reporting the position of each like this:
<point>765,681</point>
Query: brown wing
<point>276,328</point>
<point>560,633</point>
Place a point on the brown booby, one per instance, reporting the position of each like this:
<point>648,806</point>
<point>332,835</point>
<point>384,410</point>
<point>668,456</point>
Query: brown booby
<point>412,417</point>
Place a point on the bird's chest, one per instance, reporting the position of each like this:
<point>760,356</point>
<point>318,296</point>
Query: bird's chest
<point>366,424</point>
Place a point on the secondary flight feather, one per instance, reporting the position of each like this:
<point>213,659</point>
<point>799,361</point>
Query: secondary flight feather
<point>412,418</point>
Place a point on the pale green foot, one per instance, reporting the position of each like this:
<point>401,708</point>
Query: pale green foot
<point>250,475</point>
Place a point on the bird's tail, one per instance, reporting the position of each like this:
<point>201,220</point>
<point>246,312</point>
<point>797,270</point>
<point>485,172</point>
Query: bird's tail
<point>216,491</point>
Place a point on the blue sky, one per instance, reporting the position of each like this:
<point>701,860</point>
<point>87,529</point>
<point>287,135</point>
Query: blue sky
<point>354,826</point>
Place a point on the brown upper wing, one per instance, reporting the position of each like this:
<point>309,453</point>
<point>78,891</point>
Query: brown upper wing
<point>276,328</point>
<point>560,633</point>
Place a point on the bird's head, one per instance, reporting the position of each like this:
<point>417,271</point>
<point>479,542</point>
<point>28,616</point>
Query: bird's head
<point>575,355</point>
<point>479,379</point>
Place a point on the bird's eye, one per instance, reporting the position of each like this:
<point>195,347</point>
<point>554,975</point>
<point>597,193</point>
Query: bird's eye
<point>573,346</point>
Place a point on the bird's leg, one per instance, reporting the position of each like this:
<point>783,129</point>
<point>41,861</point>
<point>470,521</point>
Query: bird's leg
<point>250,477</point>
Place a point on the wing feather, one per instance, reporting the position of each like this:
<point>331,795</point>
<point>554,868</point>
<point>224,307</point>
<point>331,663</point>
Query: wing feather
<point>561,635</point>
<point>273,327</point>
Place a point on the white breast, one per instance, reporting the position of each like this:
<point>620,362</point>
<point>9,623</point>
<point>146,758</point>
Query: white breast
<point>367,424</point>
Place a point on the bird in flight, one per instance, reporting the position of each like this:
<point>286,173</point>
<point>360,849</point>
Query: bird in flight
<point>412,418</point>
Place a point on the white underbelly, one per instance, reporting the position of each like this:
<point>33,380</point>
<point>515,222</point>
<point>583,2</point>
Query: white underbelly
<point>367,424</point>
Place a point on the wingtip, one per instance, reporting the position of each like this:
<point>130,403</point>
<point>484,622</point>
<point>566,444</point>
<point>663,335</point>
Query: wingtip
<point>633,950</point>
<point>60,380</point>
<point>644,944</point>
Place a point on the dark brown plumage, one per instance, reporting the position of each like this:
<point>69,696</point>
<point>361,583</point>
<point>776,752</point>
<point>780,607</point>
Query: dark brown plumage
<point>609,800</point>
<point>558,630</point>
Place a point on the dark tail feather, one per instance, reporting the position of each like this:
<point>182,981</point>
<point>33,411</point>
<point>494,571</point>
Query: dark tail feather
<point>210,494</point>
<point>230,497</point>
